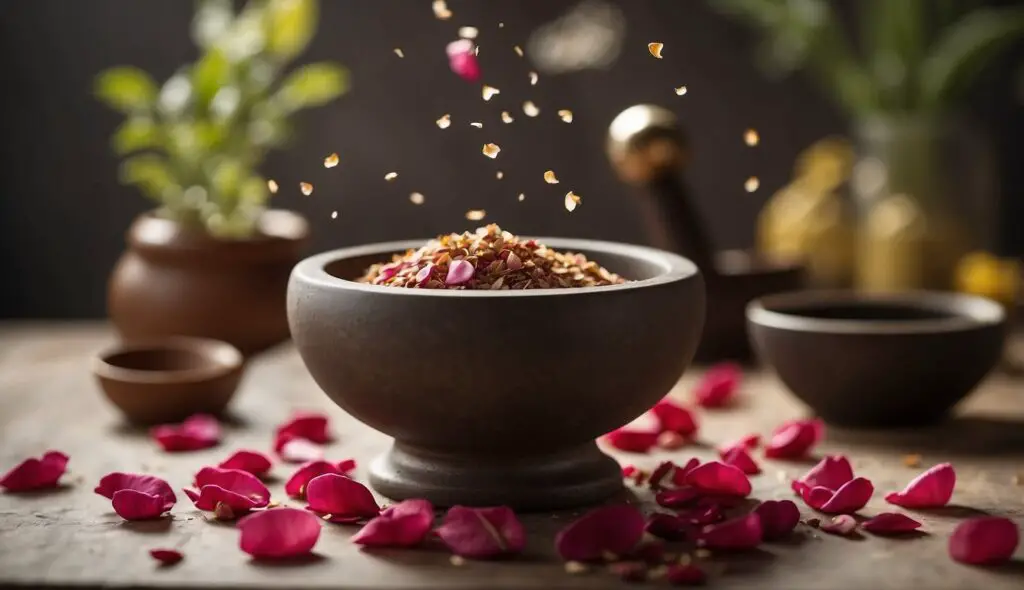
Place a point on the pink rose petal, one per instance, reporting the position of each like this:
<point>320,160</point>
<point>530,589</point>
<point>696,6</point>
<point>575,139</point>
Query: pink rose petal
<point>679,475</point>
<point>747,443</point>
<point>677,498</point>
<point>778,518</point>
<point>639,436</point>
<point>718,385</point>
<point>718,478</point>
<point>462,59</point>
<point>739,458</point>
<point>931,489</point>
<point>831,473</point>
<point>986,540</point>
<point>890,523</point>
<point>200,431</point>
<point>166,556</point>
<point>346,466</point>
<point>613,529</point>
<point>136,505</point>
<point>669,527</point>
<point>744,532</point>
<point>278,533</point>
<point>844,524</point>
<point>405,524</point>
<point>424,274</point>
<point>343,498</point>
<point>300,450</point>
<point>137,497</point>
<point>482,533</point>
<point>254,462</point>
<point>296,484</point>
<point>674,418</point>
<point>311,426</point>
<point>35,474</point>
<point>239,490</point>
<point>849,498</point>
<point>459,271</point>
<point>686,575</point>
<point>794,439</point>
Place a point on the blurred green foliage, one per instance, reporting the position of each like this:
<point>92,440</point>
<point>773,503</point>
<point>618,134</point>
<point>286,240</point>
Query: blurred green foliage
<point>910,55</point>
<point>194,144</point>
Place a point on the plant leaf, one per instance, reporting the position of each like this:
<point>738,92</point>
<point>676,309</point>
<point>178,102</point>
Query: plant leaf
<point>212,20</point>
<point>126,89</point>
<point>150,173</point>
<point>136,133</point>
<point>209,74</point>
<point>964,49</point>
<point>290,26</point>
<point>312,85</point>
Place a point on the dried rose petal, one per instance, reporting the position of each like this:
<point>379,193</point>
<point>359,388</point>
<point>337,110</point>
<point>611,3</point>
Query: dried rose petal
<point>488,92</point>
<point>679,475</point>
<point>311,426</point>
<point>660,472</point>
<point>403,525</point>
<point>135,496</point>
<point>831,472</point>
<point>491,150</point>
<point>890,523</point>
<point>166,556</point>
<point>931,489</point>
<point>793,439</point>
<point>196,432</point>
<point>655,49</point>
<point>306,188</point>
<point>849,498</point>
<point>669,527</point>
<point>714,477</point>
<point>987,540</point>
<point>278,533</point>
<point>300,450</point>
<point>677,498</point>
<point>459,271</point>
<point>35,474</point>
<point>744,532</point>
<point>254,462</point>
<point>571,201</point>
<point>482,533</point>
<point>296,484</point>
<point>639,436</point>
<point>340,497</point>
<point>462,59</point>
<point>739,457</point>
<point>778,518</point>
<point>844,524</point>
<point>718,385</point>
<point>674,418</point>
<point>236,489</point>
<point>686,574</point>
<point>610,529</point>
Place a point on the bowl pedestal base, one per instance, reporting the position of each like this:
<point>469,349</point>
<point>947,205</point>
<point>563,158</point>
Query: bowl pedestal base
<point>566,479</point>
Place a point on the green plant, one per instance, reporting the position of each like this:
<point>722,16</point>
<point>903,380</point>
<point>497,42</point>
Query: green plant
<point>194,144</point>
<point>914,55</point>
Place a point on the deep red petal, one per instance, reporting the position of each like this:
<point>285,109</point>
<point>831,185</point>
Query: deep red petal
<point>794,439</point>
<point>211,496</point>
<point>890,523</point>
<point>482,533</point>
<point>311,426</point>
<point>714,477</point>
<point>301,450</point>
<point>197,432</point>
<point>718,385</point>
<point>675,418</point>
<point>778,518</point>
<point>686,575</point>
<point>462,60</point>
<point>831,473</point>
<point>236,483</point>
<point>739,458</point>
<point>35,474</point>
<point>844,524</point>
<point>987,540</point>
<point>613,529</point>
<point>849,498</point>
<point>669,527</point>
<point>639,436</point>
<point>166,556</point>
<point>660,473</point>
<point>147,484</point>
<point>341,497</point>
<point>254,462</point>
<point>346,466</point>
<point>677,498</point>
<point>136,505</point>
<point>296,484</point>
<point>278,533</point>
<point>202,427</point>
<point>679,475</point>
<point>744,532</point>
<point>403,525</point>
<point>931,489</point>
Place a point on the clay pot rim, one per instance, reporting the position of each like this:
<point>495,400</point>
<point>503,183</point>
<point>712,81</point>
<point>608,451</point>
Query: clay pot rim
<point>672,268</point>
<point>965,312</point>
<point>280,233</point>
<point>220,359</point>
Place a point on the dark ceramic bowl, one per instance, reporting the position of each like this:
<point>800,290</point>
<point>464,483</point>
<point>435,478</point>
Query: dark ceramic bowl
<point>870,361</point>
<point>169,379</point>
<point>496,397</point>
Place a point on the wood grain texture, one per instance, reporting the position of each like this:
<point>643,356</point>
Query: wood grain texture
<point>71,538</point>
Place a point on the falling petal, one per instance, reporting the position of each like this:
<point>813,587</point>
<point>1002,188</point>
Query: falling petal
<point>491,150</point>
<point>751,184</point>
<point>331,161</point>
<point>489,91</point>
<point>506,118</point>
<point>468,32</point>
<point>565,115</point>
<point>530,109</point>
<point>571,201</point>
<point>441,11</point>
<point>533,79</point>
<point>444,122</point>
<point>475,214</point>
<point>655,49</point>
<point>751,138</point>
<point>417,198</point>
<point>549,177</point>
<point>272,186</point>
<point>680,90</point>
<point>306,188</point>
<point>398,51</point>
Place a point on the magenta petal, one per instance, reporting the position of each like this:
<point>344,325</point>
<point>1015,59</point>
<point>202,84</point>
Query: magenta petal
<point>987,540</point>
<point>196,432</point>
<point>296,484</point>
<point>659,474</point>
<point>890,523</point>
<point>136,505</point>
<point>794,439</point>
<point>849,498</point>
<point>34,474</point>
<point>639,436</point>
<point>403,525</point>
<point>610,529</point>
<point>308,425</point>
<point>459,271</point>
<point>482,533</point>
<point>685,575</point>
<point>166,556</point>
<point>718,385</point>
<point>744,532</point>
<point>778,518</point>
<point>213,498</point>
<point>844,524</point>
<point>462,59</point>
<point>230,485</point>
<point>669,527</point>
<point>279,533</point>
<point>146,484</point>
<point>682,471</point>
<point>931,489</point>
<point>739,458</point>
<point>674,418</point>
<point>831,473</point>
<point>254,462</point>
<point>340,497</point>
<point>346,466</point>
<point>677,498</point>
<point>714,477</point>
<point>300,450</point>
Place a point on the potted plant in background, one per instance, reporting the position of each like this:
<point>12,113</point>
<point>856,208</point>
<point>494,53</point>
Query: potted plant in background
<point>924,178</point>
<point>211,260</point>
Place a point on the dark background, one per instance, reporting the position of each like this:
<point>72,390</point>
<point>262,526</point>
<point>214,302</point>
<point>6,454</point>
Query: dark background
<point>63,213</point>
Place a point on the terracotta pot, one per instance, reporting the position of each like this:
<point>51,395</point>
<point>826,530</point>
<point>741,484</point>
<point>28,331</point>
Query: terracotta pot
<point>178,281</point>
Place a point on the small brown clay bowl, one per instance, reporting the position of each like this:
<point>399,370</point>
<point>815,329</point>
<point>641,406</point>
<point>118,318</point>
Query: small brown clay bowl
<point>169,379</point>
<point>496,397</point>
<point>877,361</point>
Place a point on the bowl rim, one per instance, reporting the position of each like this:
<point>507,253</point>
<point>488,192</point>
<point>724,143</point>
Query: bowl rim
<point>674,268</point>
<point>966,312</point>
<point>221,359</point>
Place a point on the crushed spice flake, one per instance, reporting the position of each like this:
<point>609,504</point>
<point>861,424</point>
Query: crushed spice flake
<point>444,122</point>
<point>530,109</point>
<point>488,259</point>
<point>390,176</point>
<point>272,186</point>
<point>398,51</point>
<point>518,50</point>
<point>571,201</point>
<point>533,78</point>
<point>506,118</point>
<point>912,460</point>
<point>468,32</point>
<point>491,150</point>
<point>475,214</point>
<point>752,184</point>
<point>680,90</point>
<point>489,91</point>
<point>751,137</point>
<point>655,49</point>
<point>417,198</point>
<point>565,115</point>
<point>306,188</point>
<point>331,161</point>
<point>477,124</point>
<point>441,11</point>
<point>549,177</point>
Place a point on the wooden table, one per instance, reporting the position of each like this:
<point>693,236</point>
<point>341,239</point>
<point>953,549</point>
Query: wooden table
<point>71,538</point>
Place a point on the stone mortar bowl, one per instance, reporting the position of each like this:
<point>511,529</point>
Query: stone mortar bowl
<point>496,397</point>
<point>877,361</point>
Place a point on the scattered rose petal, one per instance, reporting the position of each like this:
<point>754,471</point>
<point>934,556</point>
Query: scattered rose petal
<point>629,471</point>
<point>565,115</point>
<point>718,385</point>
<point>849,498</point>
<point>655,49</point>
<point>747,443</point>
<point>296,484</point>
<point>571,201</point>
<point>238,490</point>
<point>831,472</point>
<point>300,450</point>
<point>403,525</point>
<point>196,432</point>
<point>488,92</point>
<point>778,518</point>
<point>306,188</point>
<point>674,417</point>
<point>444,122</point>
<point>677,497</point>
<point>459,272</point>
<point>476,214</point>
<point>35,474</point>
<point>671,441</point>
<point>462,59</point>
<point>482,533</point>
<point>986,540</point>
<point>166,556</point>
<point>701,515</point>
<point>311,426</point>
<point>739,457</point>
<point>613,529</point>
<point>468,32</point>
<point>491,150</point>
<point>793,439</point>
<point>342,498</point>
<point>686,574</point>
<point>660,472</point>
<point>346,466</point>
<point>669,527</point>
<point>254,462</point>
<point>278,533</point>
<point>744,532</point>
<point>332,160</point>
<point>714,477</point>
<point>135,496</point>
<point>530,109</point>
<point>931,489</point>
<point>638,436</point>
<point>844,524</point>
<point>679,475</point>
<point>441,11</point>
<point>272,186</point>
<point>890,523</point>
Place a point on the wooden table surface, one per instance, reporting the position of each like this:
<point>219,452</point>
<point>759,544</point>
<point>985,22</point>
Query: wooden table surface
<point>71,538</point>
